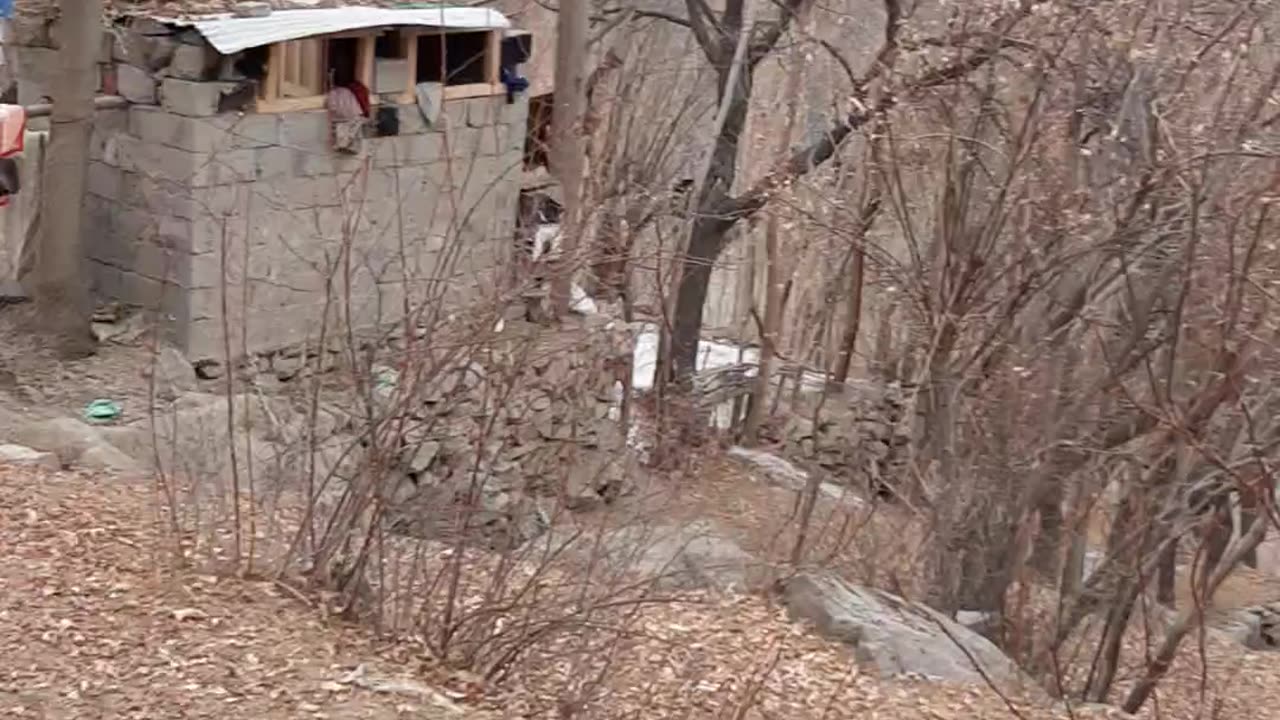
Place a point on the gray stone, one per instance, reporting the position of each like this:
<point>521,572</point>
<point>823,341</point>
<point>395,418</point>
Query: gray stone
<point>421,456</point>
<point>251,9</point>
<point>193,62</point>
<point>146,43</point>
<point>174,374</point>
<point>894,636</point>
<point>75,444</point>
<point>136,85</point>
<point>695,556</point>
<point>195,99</point>
<point>107,457</point>
<point>209,369</point>
<point>22,455</point>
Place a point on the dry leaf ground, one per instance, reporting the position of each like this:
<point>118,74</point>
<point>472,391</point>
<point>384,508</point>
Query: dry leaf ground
<point>91,627</point>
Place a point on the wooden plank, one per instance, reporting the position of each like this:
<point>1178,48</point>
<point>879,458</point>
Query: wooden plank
<point>312,61</point>
<point>298,104</point>
<point>411,53</point>
<point>493,56</point>
<point>458,92</point>
<point>275,66</point>
<point>364,62</point>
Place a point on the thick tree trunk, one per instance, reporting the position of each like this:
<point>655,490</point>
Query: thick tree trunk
<point>57,280</point>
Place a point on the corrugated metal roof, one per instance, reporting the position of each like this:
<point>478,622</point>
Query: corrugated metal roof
<point>230,34</point>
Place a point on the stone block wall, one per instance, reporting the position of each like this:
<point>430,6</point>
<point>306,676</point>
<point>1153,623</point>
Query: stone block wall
<point>186,195</point>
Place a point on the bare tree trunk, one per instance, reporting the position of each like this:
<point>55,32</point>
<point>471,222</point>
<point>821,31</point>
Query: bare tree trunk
<point>57,280</point>
<point>1182,624</point>
<point>774,276</point>
<point>567,146</point>
<point>852,320</point>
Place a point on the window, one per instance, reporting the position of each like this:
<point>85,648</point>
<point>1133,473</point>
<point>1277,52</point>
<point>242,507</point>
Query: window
<point>303,74</point>
<point>466,63</point>
<point>297,74</point>
<point>300,72</point>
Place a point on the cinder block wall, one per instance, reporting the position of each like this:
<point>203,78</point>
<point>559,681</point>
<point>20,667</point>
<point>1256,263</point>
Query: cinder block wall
<point>184,200</point>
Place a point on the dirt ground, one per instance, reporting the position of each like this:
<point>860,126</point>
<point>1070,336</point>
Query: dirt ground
<point>96,622</point>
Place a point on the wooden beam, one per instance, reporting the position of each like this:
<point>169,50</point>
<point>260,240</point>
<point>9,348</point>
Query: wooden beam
<point>493,56</point>
<point>364,63</point>
<point>297,104</point>
<point>411,54</point>
<point>457,92</point>
<point>275,67</point>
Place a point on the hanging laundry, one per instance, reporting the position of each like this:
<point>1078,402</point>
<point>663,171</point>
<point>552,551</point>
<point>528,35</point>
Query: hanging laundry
<point>514,82</point>
<point>430,96</point>
<point>13,128</point>
<point>13,125</point>
<point>347,118</point>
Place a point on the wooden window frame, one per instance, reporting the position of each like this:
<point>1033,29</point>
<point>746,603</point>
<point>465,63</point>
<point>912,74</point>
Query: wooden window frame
<point>271,100</point>
<point>492,67</point>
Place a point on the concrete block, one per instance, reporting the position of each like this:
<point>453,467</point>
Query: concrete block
<point>196,99</point>
<point>407,150</point>
<point>31,92</point>
<point>249,130</point>
<point>214,134</point>
<point>299,193</point>
<point>155,161</point>
<point>462,143</point>
<point>275,163</point>
<point>136,85</point>
<point>516,114</point>
<point>390,75</point>
<point>454,114</point>
<point>411,120</point>
<point>160,263</point>
<point>484,111</point>
<point>163,162</point>
<point>225,167</point>
<point>105,181</point>
<point>492,140</point>
<point>145,42</point>
<point>104,138</point>
<point>308,131</point>
<point>158,196</point>
<point>324,162</point>
<point>193,62</point>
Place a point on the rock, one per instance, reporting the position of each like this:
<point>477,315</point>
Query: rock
<point>596,478</point>
<point>686,557</point>
<point>174,374</point>
<point>421,456</point>
<point>107,457</point>
<point>208,369</point>
<point>896,636</point>
<point>75,444</point>
<point>287,367</point>
<point>67,438</point>
<point>22,455</point>
<point>251,9</point>
<point>784,474</point>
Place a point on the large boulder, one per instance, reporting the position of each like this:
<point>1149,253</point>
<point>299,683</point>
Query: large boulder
<point>23,455</point>
<point>895,636</point>
<point>76,444</point>
<point>692,556</point>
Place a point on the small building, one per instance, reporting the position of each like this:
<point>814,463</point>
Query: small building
<point>216,194</point>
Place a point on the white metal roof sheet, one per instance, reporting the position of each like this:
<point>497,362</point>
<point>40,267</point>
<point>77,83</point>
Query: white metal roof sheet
<point>230,34</point>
